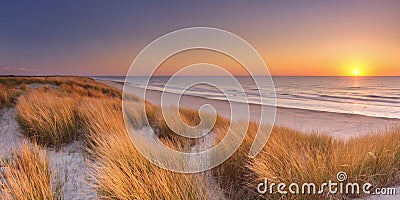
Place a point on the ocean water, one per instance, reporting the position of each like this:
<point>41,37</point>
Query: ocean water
<point>369,96</point>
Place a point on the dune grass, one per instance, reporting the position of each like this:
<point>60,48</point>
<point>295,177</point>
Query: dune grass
<point>120,171</point>
<point>51,116</point>
<point>8,96</point>
<point>47,114</point>
<point>26,175</point>
<point>93,112</point>
<point>71,83</point>
<point>46,118</point>
<point>235,175</point>
<point>295,157</point>
<point>156,120</point>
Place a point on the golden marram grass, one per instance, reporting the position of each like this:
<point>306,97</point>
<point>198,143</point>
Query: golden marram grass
<point>79,108</point>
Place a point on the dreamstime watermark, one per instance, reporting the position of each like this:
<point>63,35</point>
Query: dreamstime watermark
<point>203,38</point>
<point>339,186</point>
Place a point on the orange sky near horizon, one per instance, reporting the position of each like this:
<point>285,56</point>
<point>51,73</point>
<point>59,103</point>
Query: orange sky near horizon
<point>352,66</point>
<point>332,53</point>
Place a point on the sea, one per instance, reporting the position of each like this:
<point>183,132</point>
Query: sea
<point>369,96</point>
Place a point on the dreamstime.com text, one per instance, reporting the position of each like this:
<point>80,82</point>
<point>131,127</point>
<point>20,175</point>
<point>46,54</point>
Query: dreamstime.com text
<point>332,187</point>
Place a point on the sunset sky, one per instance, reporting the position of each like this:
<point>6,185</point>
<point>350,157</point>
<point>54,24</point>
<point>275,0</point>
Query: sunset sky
<point>293,37</point>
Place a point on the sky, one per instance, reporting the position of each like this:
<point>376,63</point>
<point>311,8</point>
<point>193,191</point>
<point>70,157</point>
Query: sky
<point>294,38</point>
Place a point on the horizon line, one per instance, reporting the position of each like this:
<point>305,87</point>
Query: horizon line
<point>253,76</point>
<point>13,75</point>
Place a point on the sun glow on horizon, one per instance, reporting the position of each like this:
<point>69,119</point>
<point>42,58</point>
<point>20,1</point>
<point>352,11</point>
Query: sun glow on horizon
<point>357,68</point>
<point>356,72</point>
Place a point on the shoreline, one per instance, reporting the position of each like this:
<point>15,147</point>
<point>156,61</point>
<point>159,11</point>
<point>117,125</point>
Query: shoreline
<point>119,85</point>
<point>342,125</point>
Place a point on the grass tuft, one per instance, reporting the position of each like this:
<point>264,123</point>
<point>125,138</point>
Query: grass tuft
<point>8,96</point>
<point>46,118</point>
<point>26,175</point>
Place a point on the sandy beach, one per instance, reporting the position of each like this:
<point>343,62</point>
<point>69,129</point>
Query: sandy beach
<point>335,124</point>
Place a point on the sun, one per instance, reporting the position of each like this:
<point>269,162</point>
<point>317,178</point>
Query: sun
<point>356,72</point>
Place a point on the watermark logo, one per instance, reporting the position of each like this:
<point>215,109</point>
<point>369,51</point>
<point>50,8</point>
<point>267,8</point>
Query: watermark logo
<point>339,186</point>
<point>341,176</point>
<point>205,38</point>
